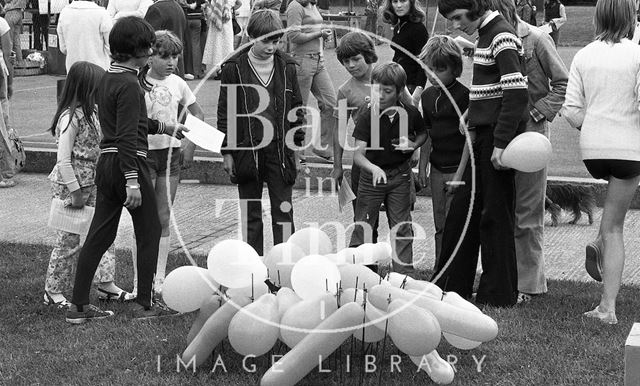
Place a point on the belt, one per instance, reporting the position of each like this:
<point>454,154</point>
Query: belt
<point>139,153</point>
<point>394,171</point>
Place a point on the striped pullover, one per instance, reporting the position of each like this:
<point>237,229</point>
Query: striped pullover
<point>123,118</point>
<point>498,94</point>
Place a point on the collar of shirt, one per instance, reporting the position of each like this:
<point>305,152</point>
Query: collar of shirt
<point>119,68</point>
<point>490,17</point>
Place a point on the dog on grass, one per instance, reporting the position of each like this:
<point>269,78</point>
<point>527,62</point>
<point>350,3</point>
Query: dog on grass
<point>572,198</point>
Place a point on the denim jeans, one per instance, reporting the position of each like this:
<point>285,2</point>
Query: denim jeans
<point>314,78</point>
<point>395,195</point>
<point>441,201</point>
<point>529,225</point>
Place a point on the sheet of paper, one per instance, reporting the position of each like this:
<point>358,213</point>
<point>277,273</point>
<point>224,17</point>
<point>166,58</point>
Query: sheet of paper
<point>345,195</point>
<point>203,134</point>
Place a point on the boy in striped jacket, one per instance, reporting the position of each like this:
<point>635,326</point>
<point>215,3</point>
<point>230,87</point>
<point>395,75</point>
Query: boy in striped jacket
<point>497,112</point>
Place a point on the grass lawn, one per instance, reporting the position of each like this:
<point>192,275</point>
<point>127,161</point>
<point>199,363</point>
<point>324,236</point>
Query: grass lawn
<point>544,342</point>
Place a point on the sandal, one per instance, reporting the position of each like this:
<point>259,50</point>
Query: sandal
<point>7,184</point>
<point>525,297</point>
<point>122,296</point>
<point>48,301</point>
<point>607,317</point>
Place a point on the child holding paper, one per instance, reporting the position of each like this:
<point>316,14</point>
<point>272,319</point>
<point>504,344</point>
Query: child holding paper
<point>164,91</point>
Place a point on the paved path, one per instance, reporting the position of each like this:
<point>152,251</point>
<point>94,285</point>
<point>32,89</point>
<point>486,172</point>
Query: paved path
<point>207,214</point>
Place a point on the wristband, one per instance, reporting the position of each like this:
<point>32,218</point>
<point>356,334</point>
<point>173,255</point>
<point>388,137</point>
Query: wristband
<point>134,187</point>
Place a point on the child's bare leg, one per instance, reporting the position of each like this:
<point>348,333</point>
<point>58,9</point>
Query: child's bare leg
<point>166,188</point>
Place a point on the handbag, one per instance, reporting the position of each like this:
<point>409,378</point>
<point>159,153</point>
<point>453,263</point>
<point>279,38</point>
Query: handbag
<point>236,26</point>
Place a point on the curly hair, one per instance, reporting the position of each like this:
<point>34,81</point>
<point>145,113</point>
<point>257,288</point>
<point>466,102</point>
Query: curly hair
<point>416,14</point>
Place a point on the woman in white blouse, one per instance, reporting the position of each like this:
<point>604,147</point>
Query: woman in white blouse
<point>602,101</point>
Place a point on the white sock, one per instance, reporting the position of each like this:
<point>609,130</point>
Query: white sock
<point>163,254</point>
<point>134,259</point>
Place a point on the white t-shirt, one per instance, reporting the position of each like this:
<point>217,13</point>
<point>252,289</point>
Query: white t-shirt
<point>162,105</point>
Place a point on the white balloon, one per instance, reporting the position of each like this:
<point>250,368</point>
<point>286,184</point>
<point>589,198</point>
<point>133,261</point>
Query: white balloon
<point>312,241</point>
<point>235,264</point>
<point>286,298</point>
<point>363,275</point>
<point>383,252</point>
<point>254,329</point>
<point>252,292</point>
<point>455,340</point>
<point>528,152</point>
<point>439,370</point>
<point>366,254</point>
<point>346,256</point>
<point>378,316</point>
<point>187,287</point>
<point>306,315</point>
<point>286,253</point>
<point>313,276</point>
<point>414,330</point>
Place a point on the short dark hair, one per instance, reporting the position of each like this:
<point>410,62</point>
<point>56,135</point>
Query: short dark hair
<point>442,51</point>
<point>390,74</point>
<point>355,43</point>
<point>129,37</point>
<point>476,8</point>
<point>263,22</point>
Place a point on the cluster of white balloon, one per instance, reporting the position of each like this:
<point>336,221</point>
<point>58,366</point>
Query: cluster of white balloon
<point>323,299</point>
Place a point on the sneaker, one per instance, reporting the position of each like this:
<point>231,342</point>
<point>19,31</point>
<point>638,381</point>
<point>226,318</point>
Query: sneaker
<point>89,312</point>
<point>593,261</point>
<point>188,77</point>
<point>608,317</point>
<point>157,310</point>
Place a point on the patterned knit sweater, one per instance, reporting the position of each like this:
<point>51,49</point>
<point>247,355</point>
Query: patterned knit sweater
<point>498,94</point>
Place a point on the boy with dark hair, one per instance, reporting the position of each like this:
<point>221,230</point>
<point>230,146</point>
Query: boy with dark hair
<point>386,135</point>
<point>497,112</point>
<point>256,148</point>
<point>122,174</point>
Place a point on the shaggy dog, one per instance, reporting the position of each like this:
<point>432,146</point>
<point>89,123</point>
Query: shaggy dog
<point>574,198</point>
